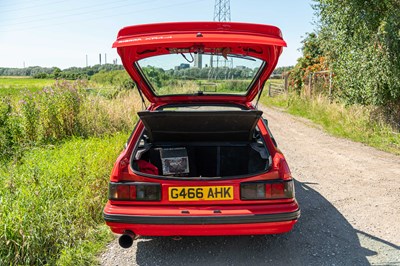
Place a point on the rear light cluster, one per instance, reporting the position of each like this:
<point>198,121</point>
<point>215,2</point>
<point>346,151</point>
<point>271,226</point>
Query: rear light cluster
<point>264,190</point>
<point>134,191</point>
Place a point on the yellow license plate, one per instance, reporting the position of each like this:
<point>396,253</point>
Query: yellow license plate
<point>200,193</point>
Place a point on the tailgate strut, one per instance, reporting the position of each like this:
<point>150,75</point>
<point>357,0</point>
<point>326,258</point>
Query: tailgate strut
<point>260,90</point>
<point>141,96</point>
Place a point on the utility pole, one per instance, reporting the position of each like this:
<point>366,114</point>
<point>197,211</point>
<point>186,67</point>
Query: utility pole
<point>105,58</point>
<point>100,59</point>
<point>222,10</point>
<point>86,61</point>
<point>222,13</point>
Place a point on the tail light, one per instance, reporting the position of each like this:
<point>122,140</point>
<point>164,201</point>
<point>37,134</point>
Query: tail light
<point>270,190</point>
<point>134,191</point>
<point>120,168</point>
<point>281,165</point>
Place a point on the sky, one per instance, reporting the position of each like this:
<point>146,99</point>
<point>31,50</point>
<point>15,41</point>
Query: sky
<point>62,32</point>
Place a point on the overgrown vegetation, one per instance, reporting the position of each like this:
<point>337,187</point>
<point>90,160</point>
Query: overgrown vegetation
<point>312,61</point>
<point>60,111</point>
<point>361,42</point>
<point>57,147</point>
<point>357,42</point>
<point>51,201</point>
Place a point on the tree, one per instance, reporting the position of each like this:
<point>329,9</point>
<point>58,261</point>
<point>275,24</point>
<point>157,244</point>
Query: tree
<point>313,60</point>
<point>56,72</point>
<point>361,40</point>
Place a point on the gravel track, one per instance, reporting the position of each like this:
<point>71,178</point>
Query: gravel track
<point>350,199</point>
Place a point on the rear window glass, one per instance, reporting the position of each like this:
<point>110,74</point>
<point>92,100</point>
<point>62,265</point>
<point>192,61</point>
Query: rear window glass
<point>189,73</point>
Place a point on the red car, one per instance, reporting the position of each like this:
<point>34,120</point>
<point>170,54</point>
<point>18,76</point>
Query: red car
<point>201,161</point>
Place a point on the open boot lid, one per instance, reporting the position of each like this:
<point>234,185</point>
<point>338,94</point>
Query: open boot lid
<point>263,42</point>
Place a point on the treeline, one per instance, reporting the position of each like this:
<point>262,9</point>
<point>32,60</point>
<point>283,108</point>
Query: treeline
<point>282,69</point>
<point>213,73</point>
<point>71,73</point>
<point>358,42</point>
<point>161,77</point>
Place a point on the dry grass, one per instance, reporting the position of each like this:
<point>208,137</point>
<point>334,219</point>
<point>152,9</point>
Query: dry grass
<point>100,115</point>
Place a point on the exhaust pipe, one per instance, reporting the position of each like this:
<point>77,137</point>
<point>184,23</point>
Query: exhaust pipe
<point>126,240</point>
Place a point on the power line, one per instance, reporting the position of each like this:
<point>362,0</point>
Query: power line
<point>73,9</point>
<point>71,15</point>
<point>35,6</point>
<point>102,17</point>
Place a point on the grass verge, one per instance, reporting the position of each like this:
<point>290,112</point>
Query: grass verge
<point>51,202</point>
<point>351,122</point>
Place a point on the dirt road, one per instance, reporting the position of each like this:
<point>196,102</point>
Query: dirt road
<point>350,200</point>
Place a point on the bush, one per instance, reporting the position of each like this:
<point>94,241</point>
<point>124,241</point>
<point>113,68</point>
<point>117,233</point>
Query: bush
<point>118,78</point>
<point>10,131</point>
<point>41,75</point>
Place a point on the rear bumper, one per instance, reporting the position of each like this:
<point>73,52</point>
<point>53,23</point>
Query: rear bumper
<point>194,222</point>
<point>220,219</point>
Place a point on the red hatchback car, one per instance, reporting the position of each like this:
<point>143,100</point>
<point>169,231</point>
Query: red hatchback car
<point>201,160</point>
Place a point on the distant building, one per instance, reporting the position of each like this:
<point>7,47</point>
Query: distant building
<point>182,66</point>
<point>198,60</point>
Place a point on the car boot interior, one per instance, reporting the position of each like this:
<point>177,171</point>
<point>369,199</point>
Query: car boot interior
<point>186,144</point>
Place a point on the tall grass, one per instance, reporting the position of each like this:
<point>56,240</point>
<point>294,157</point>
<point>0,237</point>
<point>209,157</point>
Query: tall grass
<point>61,111</point>
<point>354,122</point>
<point>57,148</point>
<point>51,203</point>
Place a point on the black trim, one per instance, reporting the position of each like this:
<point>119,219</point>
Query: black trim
<point>218,219</point>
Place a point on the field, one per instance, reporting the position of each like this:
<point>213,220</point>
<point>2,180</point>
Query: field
<point>10,86</point>
<point>58,142</point>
